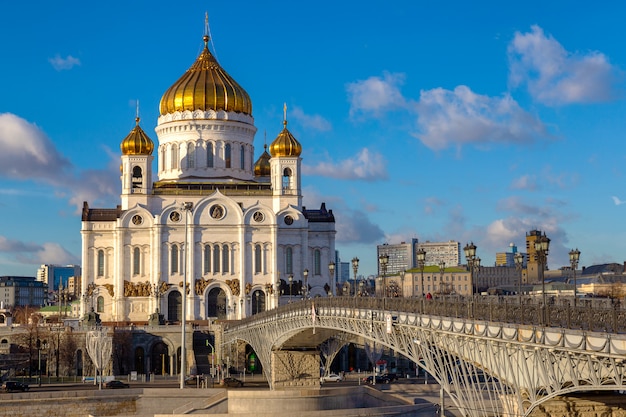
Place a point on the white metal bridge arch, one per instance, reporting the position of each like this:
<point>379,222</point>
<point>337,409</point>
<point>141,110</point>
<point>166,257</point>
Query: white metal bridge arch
<point>485,367</point>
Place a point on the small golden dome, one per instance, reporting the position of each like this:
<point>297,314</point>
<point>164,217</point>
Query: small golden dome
<point>206,86</point>
<point>137,142</point>
<point>262,165</point>
<point>285,144</point>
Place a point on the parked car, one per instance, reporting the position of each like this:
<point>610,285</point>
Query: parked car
<point>380,379</point>
<point>331,378</point>
<point>116,384</point>
<point>391,377</point>
<point>231,382</point>
<point>10,386</point>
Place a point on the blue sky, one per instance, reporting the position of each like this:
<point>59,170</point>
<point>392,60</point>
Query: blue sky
<point>451,120</point>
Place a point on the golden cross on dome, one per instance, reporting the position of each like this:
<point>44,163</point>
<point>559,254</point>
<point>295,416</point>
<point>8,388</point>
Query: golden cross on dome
<point>206,28</point>
<point>285,114</point>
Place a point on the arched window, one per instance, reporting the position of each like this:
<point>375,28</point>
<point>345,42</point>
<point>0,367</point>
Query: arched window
<point>227,156</point>
<point>137,177</point>
<point>257,259</point>
<point>100,304</point>
<point>174,259</point>
<point>136,261</point>
<point>317,262</point>
<point>225,258</point>
<point>242,157</point>
<point>101,263</point>
<point>207,259</point>
<point>174,161</point>
<point>286,178</point>
<point>216,259</point>
<point>289,260</point>
<point>191,155</point>
<point>209,155</point>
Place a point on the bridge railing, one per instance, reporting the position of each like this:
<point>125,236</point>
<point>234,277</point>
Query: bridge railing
<point>601,317</point>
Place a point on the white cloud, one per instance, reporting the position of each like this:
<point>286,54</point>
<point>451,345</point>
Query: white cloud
<point>36,254</point>
<point>376,95</point>
<point>461,116</point>
<point>365,166</point>
<point>61,64</point>
<point>525,182</point>
<point>352,226</point>
<point>29,155</point>
<point>315,122</point>
<point>617,201</point>
<point>555,76</point>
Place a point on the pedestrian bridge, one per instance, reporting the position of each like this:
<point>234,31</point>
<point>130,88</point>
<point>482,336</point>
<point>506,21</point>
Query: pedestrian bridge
<point>490,356</point>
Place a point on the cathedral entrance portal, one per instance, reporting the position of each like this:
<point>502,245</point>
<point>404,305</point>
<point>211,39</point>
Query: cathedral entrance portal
<point>258,302</point>
<point>139,361</point>
<point>216,303</point>
<point>159,359</point>
<point>174,306</point>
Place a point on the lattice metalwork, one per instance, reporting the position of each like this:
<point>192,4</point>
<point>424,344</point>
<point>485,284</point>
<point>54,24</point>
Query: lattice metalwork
<point>485,367</point>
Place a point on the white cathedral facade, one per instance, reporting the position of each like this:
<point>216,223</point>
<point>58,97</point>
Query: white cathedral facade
<point>234,229</point>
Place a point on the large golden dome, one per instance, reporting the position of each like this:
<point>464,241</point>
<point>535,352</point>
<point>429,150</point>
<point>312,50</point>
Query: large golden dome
<point>262,166</point>
<point>206,86</point>
<point>137,142</point>
<point>285,144</point>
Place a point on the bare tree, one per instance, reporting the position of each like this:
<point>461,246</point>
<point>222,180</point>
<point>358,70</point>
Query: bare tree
<point>122,346</point>
<point>67,352</point>
<point>26,340</point>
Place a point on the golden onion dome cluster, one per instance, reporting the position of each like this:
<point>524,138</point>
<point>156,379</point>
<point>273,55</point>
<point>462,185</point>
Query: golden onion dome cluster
<point>262,165</point>
<point>285,144</point>
<point>206,86</point>
<point>137,142</point>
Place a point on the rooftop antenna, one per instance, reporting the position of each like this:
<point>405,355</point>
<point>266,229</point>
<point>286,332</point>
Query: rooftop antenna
<point>207,34</point>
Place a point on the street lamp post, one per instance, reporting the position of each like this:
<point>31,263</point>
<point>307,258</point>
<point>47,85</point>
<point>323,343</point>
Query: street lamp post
<point>305,273</point>
<point>290,286</point>
<point>472,261</point>
<point>442,269</point>
<point>384,261</point>
<point>542,245</point>
<point>41,345</point>
<point>519,265</point>
<point>574,256</point>
<point>331,276</point>
<point>186,207</point>
<point>355,269</point>
<point>421,262</point>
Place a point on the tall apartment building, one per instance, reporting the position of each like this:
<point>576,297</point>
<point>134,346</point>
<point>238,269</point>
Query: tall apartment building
<point>54,275</point>
<point>22,291</point>
<point>402,256</point>
<point>437,252</point>
<point>508,258</point>
<point>345,272</point>
<point>532,266</point>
